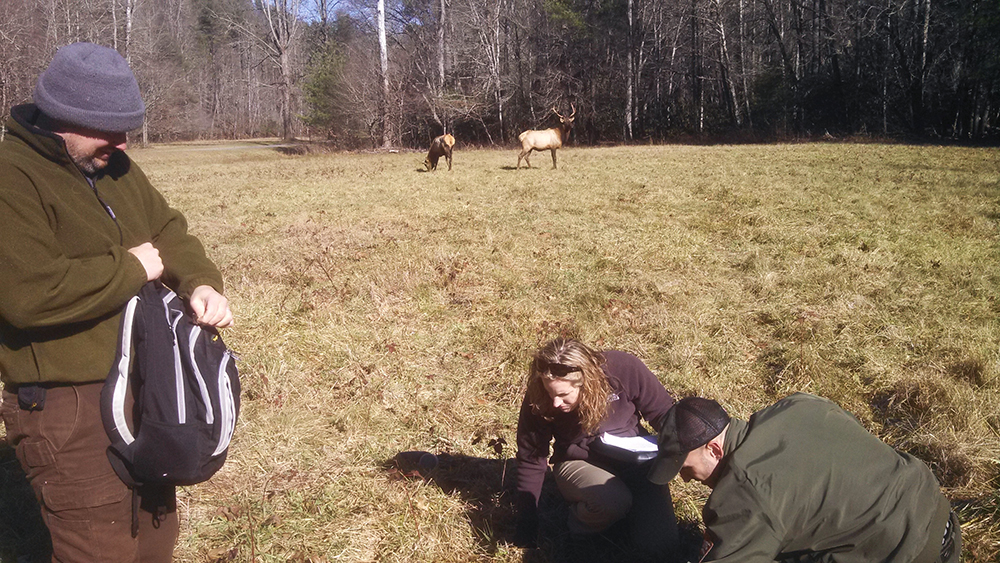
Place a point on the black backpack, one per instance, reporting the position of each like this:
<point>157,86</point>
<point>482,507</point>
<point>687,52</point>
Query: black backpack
<point>186,393</point>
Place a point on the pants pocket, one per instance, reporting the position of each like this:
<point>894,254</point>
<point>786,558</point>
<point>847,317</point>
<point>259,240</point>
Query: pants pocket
<point>46,432</point>
<point>84,494</point>
<point>89,519</point>
<point>33,449</point>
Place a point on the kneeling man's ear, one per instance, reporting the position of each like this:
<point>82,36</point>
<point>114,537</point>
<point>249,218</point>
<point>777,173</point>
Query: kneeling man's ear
<point>715,448</point>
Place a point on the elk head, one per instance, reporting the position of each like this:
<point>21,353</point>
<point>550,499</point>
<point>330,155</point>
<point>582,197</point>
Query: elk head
<point>566,123</point>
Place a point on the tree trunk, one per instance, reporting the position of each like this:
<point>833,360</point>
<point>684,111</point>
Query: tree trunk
<point>440,38</point>
<point>114,24</point>
<point>282,18</point>
<point>921,73</point>
<point>697,87</point>
<point>725,68</point>
<point>630,75</point>
<point>743,62</point>
<point>286,97</point>
<point>384,60</point>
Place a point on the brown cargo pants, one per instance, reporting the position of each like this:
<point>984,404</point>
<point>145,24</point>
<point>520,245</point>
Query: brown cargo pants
<point>87,508</point>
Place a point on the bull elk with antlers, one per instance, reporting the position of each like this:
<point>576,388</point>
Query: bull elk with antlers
<point>547,139</point>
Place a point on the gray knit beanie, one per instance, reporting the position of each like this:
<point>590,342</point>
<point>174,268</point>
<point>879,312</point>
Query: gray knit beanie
<point>90,86</point>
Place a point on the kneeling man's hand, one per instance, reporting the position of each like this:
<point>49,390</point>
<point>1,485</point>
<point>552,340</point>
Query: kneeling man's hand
<point>210,307</point>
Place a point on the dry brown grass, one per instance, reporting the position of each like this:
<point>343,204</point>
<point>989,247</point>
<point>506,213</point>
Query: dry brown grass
<point>381,308</point>
<point>385,309</point>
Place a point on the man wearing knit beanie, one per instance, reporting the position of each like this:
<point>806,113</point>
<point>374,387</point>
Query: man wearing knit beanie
<point>83,230</point>
<point>90,86</point>
<point>802,480</point>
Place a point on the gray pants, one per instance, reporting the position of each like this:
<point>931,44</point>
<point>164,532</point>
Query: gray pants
<point>599,498</point>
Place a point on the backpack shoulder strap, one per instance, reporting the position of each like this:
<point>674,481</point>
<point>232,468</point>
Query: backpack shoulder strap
<point>116,386</point>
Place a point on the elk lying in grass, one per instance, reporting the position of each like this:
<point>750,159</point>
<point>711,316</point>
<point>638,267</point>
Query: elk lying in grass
<point>547,139</point>
<point>440,146</point>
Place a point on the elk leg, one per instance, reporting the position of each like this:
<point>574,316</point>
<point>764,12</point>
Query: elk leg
<point>553,158</point>
<point>524,155</point>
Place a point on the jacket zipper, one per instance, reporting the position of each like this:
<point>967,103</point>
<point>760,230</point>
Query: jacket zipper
<point>107,208</point>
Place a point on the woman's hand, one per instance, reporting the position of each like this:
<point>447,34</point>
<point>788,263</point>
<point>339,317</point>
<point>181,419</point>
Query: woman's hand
<point>526,535</point>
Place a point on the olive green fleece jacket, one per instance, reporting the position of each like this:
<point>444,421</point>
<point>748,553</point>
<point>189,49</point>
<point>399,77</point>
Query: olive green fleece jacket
<point>65,269</point>
<point>804,481</point>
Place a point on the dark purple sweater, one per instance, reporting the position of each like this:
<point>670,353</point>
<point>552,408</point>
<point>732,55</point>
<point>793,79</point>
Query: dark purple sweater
<point>636,393</point>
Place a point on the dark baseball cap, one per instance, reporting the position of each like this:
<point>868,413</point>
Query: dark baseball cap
<point>691,423</point>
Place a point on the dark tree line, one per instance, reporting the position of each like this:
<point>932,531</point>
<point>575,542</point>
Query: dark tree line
<point>484,70</point>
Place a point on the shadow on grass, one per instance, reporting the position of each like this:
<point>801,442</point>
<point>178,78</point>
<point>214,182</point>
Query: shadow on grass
<point>23,536</point>
<point>488,485</point>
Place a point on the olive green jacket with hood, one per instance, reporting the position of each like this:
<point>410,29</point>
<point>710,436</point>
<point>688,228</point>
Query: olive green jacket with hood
<point>65,269</point>
<point>804,481</point>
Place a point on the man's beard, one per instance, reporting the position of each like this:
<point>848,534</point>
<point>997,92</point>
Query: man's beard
<point>89,165</point>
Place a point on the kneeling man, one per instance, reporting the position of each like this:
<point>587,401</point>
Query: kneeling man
<point>801,481</point>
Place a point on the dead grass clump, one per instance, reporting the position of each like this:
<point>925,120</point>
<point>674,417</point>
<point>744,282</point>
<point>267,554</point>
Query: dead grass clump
<point>295,150</point>
<point>980,519</point>
<point>969,369</point>
<point>911,403</point>
<point>777,361</point>
<point>951,463</point>
<point>944,424</point>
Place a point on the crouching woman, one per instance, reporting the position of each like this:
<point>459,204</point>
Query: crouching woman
<point>574,395</point>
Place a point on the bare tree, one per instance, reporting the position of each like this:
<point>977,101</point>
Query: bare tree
<point>282,18</point>
<point>484,20</point>
<point>277,35</point>
<point>725,64</point>
<point>15,56</point>
<point>636,68</point>
<point>630,70</point>
<point>442,19</point>
<point>383,50</point>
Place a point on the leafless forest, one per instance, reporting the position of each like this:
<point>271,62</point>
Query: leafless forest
<point>370,73</point>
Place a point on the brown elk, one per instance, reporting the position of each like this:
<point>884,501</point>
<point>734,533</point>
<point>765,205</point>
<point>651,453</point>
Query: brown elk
<point>547,139</point>
<point>440,146</point>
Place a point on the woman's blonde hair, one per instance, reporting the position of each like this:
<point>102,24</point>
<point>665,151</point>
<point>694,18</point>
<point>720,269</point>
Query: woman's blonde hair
<point>573,361</point>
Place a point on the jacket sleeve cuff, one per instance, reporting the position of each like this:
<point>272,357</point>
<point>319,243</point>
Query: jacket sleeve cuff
<point>187,287</point>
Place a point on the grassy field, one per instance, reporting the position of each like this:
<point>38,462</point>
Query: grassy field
<point>381,308</point>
